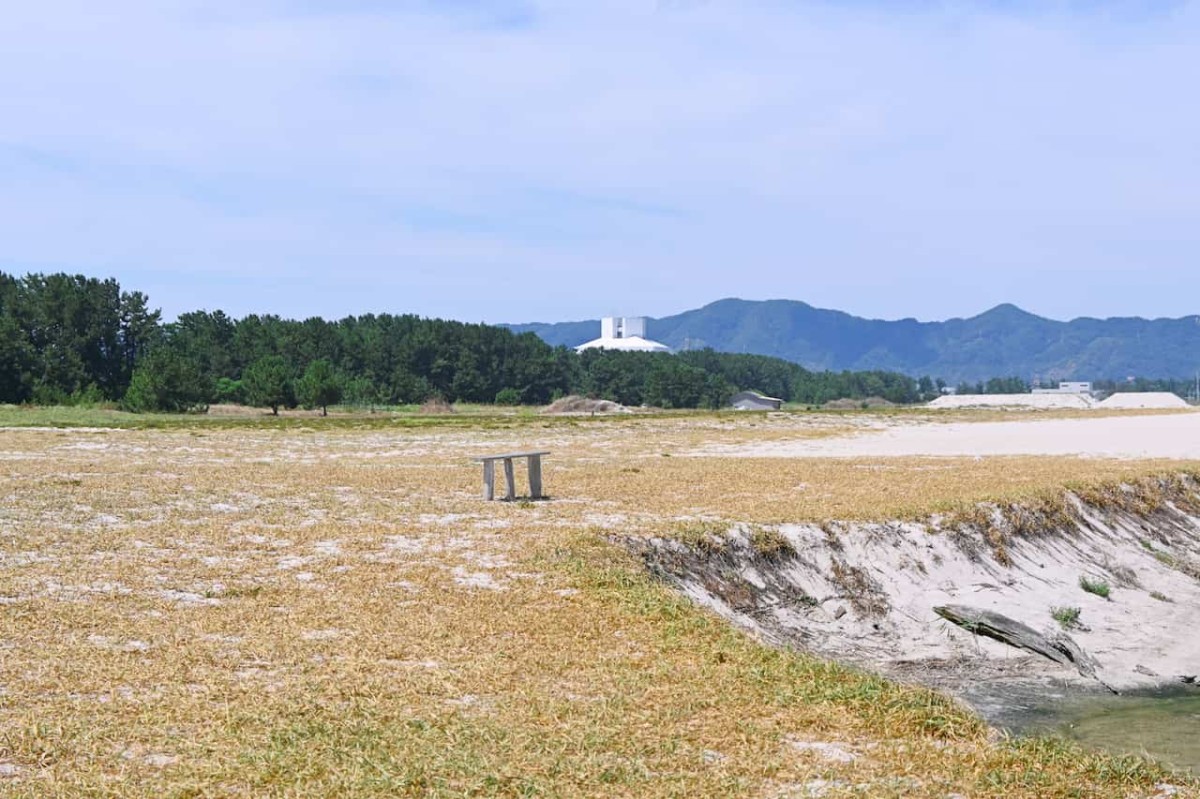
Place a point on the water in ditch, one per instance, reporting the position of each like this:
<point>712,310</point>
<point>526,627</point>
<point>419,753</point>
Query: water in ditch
<point>1163,725</point>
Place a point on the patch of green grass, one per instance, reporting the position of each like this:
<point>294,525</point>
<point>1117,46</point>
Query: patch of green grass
<point>1161,597</point>
<point>465,415</point>
<point>63,416</point>
<point>1098,587</point>
<point>400,417</point>
<point>1067,618</point>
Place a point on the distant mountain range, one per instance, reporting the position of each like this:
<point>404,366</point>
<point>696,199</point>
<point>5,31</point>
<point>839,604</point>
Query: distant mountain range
<point>1005,341</point>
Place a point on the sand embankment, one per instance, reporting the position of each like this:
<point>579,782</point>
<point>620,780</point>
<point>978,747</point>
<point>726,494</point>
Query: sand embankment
<point>865,593</point>
<point>1143,400</point>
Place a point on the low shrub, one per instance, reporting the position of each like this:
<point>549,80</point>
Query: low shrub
<point>1067,618</point>
<point>1098,587</point>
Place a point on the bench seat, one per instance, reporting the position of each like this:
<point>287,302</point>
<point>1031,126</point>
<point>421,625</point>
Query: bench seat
<point>533,462</point>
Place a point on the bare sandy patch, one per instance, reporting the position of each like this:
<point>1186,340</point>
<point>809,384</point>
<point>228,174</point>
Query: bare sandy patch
<point>1175,436</point>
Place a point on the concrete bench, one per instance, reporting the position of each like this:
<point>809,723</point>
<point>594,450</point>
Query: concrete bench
<point>534,463</point>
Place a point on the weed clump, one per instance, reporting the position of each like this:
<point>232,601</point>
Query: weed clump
<point>1067,618</point>
<point>705,537</point>
<point>1098,587</point>
<point>771,544</point>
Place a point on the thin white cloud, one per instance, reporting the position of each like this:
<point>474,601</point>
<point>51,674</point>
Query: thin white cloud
<point>895,159</point>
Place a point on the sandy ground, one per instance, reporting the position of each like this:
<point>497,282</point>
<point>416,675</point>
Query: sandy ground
<point>872,589</point>
<point>261,612</point>
<point>1040,401</point>
<point>1174,436</point>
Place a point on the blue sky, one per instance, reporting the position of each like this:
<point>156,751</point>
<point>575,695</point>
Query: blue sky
<point>542,160</point>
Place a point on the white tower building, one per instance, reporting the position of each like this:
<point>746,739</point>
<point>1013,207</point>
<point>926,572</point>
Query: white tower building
<point>623,333</point>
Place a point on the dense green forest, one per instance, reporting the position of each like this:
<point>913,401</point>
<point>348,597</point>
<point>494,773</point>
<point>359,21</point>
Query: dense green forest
<point>65,338</point>
<point>72,339</point>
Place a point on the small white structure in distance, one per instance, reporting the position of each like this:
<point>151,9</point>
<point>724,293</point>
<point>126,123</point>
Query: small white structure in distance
<point>623,333</point>
<point>753,401</point>
<point>1066,388</point>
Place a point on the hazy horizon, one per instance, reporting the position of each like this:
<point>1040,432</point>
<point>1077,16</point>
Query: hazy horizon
<point>968,315</point>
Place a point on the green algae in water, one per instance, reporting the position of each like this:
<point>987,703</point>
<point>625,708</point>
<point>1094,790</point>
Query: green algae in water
<point>1163,727</point>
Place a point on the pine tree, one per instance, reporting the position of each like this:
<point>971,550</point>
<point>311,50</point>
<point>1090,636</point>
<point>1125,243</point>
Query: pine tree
<point>320,386</point>
<point>268,383</point>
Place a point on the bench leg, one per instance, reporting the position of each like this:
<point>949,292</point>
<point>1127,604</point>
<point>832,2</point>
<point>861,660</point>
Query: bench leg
<point>535,476</point>
<point>510,483</point>
<point>489,480</point>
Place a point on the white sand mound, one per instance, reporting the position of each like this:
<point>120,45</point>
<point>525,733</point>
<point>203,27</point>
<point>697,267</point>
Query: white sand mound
<point>852,404</point>
<point>1144,399</point>
<point>576,404</point>
<point>1045,401</point>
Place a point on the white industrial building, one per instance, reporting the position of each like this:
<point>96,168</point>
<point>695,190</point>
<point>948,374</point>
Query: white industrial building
<point>623,333</point>
<point>753,401</point>
<point>1066,388</point>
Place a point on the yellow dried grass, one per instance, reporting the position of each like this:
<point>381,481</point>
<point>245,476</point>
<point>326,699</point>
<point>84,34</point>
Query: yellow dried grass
<point>296,613</point>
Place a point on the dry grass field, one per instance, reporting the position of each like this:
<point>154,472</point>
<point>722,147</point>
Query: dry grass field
<point>328,609</point>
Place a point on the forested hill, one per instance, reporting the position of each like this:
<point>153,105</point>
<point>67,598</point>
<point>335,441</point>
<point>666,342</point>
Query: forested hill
<point>1003,341</point>
<point>76,339</point>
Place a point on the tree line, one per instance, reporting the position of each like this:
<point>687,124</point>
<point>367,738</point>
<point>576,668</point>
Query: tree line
<point>70,339</point>
<point>1184,388</point>
<point>67,339</point>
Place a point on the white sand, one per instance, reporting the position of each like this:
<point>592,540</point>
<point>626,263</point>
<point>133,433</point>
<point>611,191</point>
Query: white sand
<point>1039,401</point>
<point>1147,399</point>
<point>1137,638</point>
<point>1174,436</point>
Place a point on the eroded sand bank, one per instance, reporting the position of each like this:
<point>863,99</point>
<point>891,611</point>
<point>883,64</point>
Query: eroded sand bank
<point>866,593</point>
